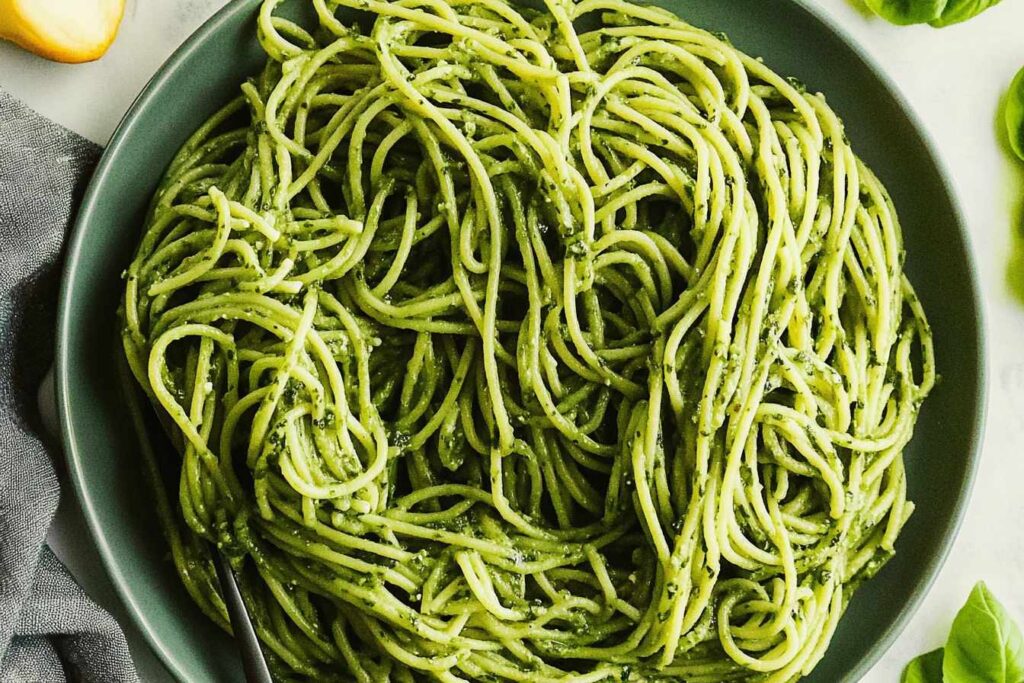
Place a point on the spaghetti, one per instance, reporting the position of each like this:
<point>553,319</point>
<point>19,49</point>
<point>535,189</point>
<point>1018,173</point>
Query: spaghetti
<point>497,348</point>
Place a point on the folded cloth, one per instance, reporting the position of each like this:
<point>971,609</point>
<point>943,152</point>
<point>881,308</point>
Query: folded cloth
<point>49,628</point>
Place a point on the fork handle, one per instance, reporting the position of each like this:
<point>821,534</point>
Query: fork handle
<point>253,662</point>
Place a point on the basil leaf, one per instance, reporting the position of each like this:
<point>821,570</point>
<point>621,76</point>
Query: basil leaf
<point>904,12</point>
<point>925,669</point>
<point>984,645</point>
<point>961,10</point>
<point>1014,114</point>
<point>937,13</point>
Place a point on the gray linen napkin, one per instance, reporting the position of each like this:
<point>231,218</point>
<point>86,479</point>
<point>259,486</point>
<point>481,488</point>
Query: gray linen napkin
<point>49,628</point>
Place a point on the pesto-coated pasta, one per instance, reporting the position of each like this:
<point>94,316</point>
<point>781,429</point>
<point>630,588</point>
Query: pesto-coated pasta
<point>501,344</point>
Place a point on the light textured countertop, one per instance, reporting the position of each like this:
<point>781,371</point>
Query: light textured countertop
<point>953,78</point>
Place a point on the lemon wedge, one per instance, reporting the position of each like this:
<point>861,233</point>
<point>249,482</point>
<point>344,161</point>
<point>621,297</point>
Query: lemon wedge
<point>70,31</point>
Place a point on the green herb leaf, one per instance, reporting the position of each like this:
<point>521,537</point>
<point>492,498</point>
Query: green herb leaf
<point>904,12</point>
<point>937,13</point>
<point>925,669</point>
<point>1014,114</point>
<point>985,645</point>
<point>961,10</point>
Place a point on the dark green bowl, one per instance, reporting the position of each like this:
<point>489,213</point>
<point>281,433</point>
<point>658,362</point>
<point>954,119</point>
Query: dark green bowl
<point>206,71</point>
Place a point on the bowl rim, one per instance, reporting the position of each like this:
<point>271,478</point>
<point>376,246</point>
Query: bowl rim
<point>170,659</point>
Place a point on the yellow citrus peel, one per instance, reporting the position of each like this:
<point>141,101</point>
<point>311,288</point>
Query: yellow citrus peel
<point>70,31</point>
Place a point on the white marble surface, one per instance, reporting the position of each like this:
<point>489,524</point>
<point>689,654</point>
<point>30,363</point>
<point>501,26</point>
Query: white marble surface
<point>953,78</point>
